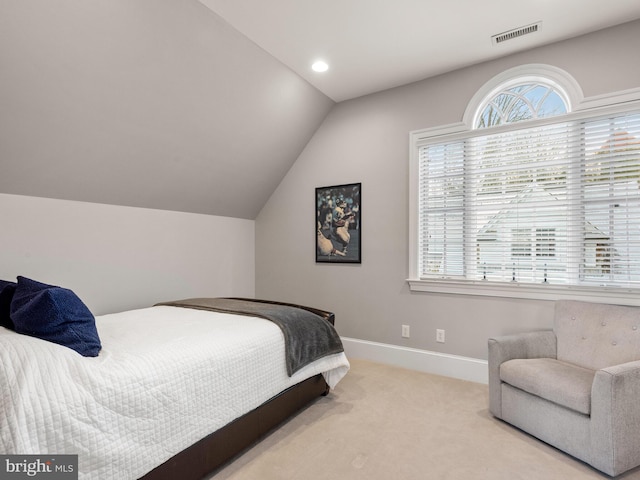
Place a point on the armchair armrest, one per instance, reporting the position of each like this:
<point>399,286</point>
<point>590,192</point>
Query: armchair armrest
<point>615,416</point>
<point>540,344</point>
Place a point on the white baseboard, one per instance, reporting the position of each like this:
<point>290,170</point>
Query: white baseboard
<point>463,368</point>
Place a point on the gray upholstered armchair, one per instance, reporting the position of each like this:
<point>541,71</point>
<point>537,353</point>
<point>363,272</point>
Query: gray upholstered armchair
<point>576,387</point>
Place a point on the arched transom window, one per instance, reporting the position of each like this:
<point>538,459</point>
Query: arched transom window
<point>526,101</point>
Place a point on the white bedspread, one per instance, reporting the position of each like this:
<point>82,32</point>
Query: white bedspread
<point>165,378</point>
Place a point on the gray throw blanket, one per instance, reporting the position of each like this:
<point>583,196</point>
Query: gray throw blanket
<point>307,336</point>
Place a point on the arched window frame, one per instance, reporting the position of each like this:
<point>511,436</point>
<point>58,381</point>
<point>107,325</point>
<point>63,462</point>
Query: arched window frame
<point>554,77</point>
<point>518,95</point>
<point>579,108</point>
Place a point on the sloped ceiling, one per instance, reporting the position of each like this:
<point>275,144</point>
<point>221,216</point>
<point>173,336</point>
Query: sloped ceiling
<point>375,45</point>
<point>146,103</point>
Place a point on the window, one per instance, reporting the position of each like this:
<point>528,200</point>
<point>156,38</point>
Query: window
<point>526,101</point>
<point>534,195</point>
<point>545,242</point>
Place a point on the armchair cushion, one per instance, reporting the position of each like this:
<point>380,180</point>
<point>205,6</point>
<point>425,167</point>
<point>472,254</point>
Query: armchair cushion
<point>501,349</point>
<point>559,382</point>
<point>595,335</point>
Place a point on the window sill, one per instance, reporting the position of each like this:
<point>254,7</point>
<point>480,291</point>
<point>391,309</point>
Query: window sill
<point>613,295</point>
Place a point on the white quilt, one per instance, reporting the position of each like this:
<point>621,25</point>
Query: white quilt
<point>165,378</point>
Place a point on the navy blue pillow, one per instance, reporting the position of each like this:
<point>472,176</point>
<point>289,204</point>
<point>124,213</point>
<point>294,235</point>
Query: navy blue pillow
<point>6,295</point>
<point>55,314</point>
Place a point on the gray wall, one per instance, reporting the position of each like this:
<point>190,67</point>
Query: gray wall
<point>117,258</point>
<point>367,140</point>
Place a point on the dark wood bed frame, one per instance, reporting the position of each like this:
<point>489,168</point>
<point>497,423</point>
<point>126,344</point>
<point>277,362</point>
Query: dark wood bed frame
<point>210,453</point>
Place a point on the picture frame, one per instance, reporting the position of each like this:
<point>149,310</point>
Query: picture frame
<point>338,223</point>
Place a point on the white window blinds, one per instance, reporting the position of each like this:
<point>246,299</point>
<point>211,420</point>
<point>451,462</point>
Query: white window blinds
<point>554,203</point>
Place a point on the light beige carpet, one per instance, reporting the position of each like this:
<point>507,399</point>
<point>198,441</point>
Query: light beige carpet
<point>388,423</point>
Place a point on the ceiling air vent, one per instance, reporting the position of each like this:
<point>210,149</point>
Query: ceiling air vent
<point>515,33</point>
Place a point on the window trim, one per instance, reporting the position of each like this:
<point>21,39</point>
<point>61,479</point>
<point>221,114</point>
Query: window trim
<point>613,295</point>
<point>614,103</point>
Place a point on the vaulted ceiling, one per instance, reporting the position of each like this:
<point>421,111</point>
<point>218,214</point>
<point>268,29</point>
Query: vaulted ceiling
<point>203,106</point>
<point>375,45</point>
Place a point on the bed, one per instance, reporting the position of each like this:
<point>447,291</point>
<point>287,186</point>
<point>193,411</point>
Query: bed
<point>175,391</point>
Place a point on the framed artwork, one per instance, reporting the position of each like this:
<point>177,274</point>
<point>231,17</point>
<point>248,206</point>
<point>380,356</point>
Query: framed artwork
<point>338,227</point>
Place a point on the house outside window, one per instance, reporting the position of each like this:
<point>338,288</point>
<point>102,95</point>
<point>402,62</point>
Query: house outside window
<point>534,195</point>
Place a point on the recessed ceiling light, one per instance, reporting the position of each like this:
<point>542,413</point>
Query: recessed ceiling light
<point>320,66</point>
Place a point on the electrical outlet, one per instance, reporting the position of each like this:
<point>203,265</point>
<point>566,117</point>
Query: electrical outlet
<point>405,331</point>
<point>439,335</point>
